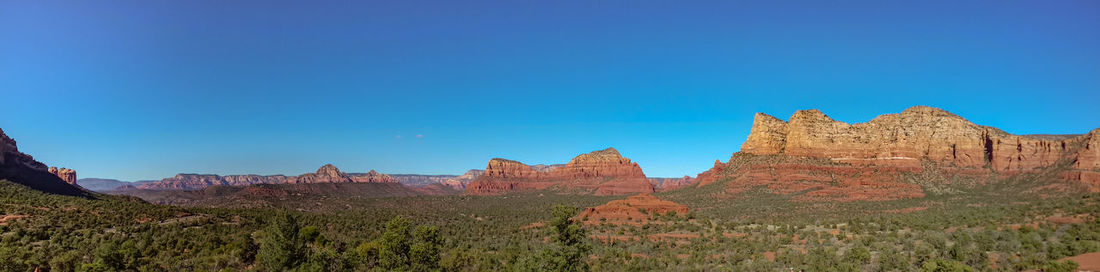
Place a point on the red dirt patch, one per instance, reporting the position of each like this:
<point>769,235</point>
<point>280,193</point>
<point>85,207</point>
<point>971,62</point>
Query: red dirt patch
<point>5,218</point>
<point>1087,261</point>
<point>1076,219</point>
<point>770,255</point>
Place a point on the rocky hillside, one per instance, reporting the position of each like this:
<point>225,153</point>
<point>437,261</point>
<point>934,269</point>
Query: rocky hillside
<point>326,174</point>
<point>603,172</point>
<point>21,168</point>
<point>866,161</point>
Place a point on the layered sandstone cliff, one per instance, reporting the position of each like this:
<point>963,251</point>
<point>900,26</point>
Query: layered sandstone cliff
<point>326,174</point>
<point>903,139</point>
<point>817,157</point>
<point>603,172</point>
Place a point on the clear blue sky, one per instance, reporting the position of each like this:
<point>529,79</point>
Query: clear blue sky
<point>146,89</point>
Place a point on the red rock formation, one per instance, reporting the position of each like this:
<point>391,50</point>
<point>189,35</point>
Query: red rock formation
<point>1088,158</point>
<point>373,177</point>
<point>864,161</point>
<point>603,172</point>
<point>903,139</point>
<point>712,175</point>
<point>326,174</point>
<point>66,174</point>
<point>633,210</point>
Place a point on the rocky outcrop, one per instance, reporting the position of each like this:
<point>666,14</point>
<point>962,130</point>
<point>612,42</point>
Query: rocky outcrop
<point>66,174</point>
<point>603,172</point>
<point>21,168</point>
<point>634,210</point>
<point>903,140</point>
<point>1088,158</point>
<point>1086,162</point>
<point>373,177</point>
<point>326,174</point>
<point>712,175</point>
<point>816,157</point>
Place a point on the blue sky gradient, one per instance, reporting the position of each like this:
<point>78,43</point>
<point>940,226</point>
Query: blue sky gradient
<point>146,89</point>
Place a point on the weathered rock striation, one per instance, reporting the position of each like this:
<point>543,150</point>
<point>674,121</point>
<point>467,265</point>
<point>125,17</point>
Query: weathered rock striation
<point>326,174</point>
<point>603,172</point>
<point>865,161</point>
<point>21,168</point>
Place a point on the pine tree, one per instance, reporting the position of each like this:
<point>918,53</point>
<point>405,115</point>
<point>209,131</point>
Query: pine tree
<point>572,241</point>
<point>424,252</point>
<point>393,246</point>
<point>280,248</point>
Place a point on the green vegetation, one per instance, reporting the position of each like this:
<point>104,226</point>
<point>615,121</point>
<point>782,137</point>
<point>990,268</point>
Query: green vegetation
<point>992,228</point>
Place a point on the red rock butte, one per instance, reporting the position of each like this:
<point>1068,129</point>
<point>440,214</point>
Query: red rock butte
<point>603,172</point>
<point>632,210</point>
<point>831,159</point>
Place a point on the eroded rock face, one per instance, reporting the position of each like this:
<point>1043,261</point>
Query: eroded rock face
<point>633,210</point>
<point>1089,156</point>
<point>818,158</point>
<point>326,174</point>
<point>603,172</point>
<point>916,133</point>
<point>66,174</point>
